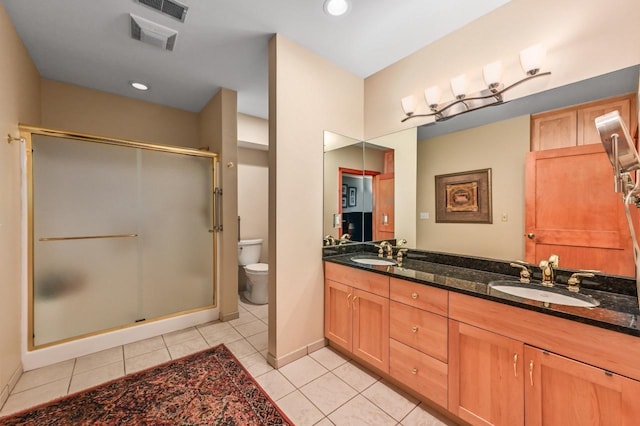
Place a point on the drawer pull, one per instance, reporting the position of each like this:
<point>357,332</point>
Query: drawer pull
<point>515,365</point>
<point>414,295</point>
<point>348,298</point>
<point>531,372</point>
<point>414,328</point>
<point>414,371</point>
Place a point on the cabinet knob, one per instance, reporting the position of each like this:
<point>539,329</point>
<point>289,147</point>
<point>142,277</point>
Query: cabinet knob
<point>414,328</point>
<point>414,371</point>
<point>531,235</point>
<point>414,295</point>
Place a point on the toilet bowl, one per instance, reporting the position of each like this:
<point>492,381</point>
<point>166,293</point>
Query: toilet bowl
<point>255,280</point>
<point>257,283</point>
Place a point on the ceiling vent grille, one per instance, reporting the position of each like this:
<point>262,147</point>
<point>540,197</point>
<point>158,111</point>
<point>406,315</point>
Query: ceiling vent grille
<point>168,7</point>
<point>151,33</point>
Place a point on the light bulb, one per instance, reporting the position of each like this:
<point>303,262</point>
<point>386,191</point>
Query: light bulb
<point>432,96</point>
<point>459,86</point>
<point>408,105</point>
<point>336,7</point>
<point>492,74</point>
<point>531,59</point>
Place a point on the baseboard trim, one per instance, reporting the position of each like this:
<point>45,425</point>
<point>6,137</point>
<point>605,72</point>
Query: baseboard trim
<point>295,355</point>
<point>229,317</point>
<point>6,391</point>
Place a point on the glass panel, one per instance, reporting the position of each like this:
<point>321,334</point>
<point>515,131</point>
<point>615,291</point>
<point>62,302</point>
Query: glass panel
<point>176,246</point>
<point>83,285</point>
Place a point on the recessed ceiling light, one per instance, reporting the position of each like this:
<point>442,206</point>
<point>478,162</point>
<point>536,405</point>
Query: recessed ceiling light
<point>139,86</point>
<point>336,7</point>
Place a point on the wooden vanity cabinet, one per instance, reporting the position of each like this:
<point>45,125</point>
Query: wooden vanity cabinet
<point>357,313</point>
<point>418,332</point>
<point>499,376</point>
<point>485,376</point>
<point>562,391</point>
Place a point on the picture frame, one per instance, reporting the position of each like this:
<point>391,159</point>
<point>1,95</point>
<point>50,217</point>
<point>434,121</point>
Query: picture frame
<point>344,201</point>
<point>464,197</point>
<point>344,189</point>
<point>353,193</point>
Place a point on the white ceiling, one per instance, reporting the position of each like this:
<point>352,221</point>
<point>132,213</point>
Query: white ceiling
<point>223,43</point>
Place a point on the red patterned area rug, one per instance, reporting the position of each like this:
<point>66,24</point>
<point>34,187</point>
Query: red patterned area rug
<point>207,388</point>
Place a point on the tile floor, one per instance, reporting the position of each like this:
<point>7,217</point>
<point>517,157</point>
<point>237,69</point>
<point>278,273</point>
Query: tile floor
<point>323,388</point>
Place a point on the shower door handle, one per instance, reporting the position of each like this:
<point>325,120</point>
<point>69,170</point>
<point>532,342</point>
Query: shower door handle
<point>531,235</point>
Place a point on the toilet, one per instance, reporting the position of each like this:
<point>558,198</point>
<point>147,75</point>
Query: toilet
<point>257,274</point>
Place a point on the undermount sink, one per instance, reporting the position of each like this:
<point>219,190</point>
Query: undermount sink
<point>543,294</point>
<point>373,261</point>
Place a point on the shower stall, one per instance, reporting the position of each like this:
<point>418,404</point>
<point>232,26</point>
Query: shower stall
<point>118,233</point>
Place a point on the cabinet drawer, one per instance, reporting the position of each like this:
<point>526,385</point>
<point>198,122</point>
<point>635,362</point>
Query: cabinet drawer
<point>420,372</point>
<point>419,329</point>
<point>363,280</point>
<point>420,296</point>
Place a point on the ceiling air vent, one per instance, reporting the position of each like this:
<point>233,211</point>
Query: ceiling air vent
<point>168,7</point>
<point>152,33</point>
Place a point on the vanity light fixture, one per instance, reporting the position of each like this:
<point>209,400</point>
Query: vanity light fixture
<point>531,61</point>
<point>139,86</point>
<point>336,7</point>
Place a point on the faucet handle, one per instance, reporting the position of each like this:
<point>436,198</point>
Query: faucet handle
<point>329,240</point>
<point>401,242</point>
<point>573,283</point>
<point>525,272</point>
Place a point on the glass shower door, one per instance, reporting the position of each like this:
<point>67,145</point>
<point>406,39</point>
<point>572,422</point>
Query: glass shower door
<point>120,235</point>
<point>84,231</point>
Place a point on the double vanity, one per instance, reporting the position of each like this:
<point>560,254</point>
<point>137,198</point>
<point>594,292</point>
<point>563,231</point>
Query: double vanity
<point>465,334</point>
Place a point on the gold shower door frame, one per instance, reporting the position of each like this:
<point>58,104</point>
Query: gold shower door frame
<point>26,132</point>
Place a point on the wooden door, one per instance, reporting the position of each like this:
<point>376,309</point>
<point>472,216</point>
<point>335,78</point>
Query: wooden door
<point>338,314</point>
<point>573,211</point>
<point>561,391</point>
<point>485,376</point>
<point>383,206</point>
<point>371,329</point>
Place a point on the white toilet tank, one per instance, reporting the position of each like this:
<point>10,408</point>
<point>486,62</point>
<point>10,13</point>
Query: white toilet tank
<point>249,251</point>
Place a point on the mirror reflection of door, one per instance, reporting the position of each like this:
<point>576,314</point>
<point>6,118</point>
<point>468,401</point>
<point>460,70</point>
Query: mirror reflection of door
<point>355,193</point>
<point>383,199</point>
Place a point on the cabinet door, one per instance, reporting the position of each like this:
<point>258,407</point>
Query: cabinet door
<point>587,132</point>
<point>371,329</point>
<point>556,129</point>
<point>562,391</point>
<point>485,376</point>
<point>338,313</point>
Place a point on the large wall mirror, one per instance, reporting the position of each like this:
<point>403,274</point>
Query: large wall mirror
<point>369,187</point>
<point>496,138</point>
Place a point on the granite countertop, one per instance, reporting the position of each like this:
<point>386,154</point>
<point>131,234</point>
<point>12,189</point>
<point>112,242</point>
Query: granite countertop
<point>617,311</point>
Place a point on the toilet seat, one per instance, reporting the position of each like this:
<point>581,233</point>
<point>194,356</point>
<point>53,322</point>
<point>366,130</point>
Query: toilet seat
<point>257,268</point>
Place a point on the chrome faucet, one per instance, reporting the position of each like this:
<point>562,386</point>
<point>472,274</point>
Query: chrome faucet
<point>548,269</point>
<point>525,272</point>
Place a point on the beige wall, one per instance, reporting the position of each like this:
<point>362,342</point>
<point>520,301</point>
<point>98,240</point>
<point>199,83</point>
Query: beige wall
<point>307,95</point>
<point>501,146</point>
<point>20,89</point>
<point>69,107</point>
<point>253,197</point>
<point>218,129</point>
<point>583,39</point>
<point>253,132</point>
